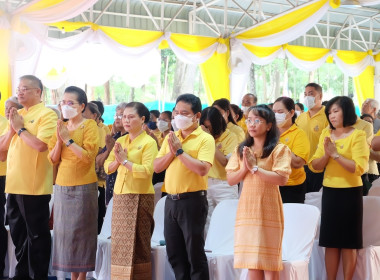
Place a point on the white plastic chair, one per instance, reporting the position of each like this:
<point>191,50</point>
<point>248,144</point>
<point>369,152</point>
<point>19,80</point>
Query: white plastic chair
<point>368,260</point>
<point>157,192</point>
<point>375,189</point>
<point>300,226</point>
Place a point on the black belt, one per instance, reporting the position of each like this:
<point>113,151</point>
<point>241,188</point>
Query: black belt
<point>187,195</point>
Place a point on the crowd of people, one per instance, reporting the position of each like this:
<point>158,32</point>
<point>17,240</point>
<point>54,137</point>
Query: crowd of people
<point>262,155</point>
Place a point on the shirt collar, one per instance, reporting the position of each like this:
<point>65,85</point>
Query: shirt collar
<point>38,106</point>
<point>195,133</point>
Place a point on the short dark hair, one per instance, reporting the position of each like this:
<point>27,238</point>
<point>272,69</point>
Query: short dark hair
<point>216,120</point>
<point>93,109</point>
<point>80,93</point>
<point>167,113</point>
<point>300,105</point>
<point>141,110</point>
<point>273,134</point>
<point>254,97</point>
<point>35,80</point>
<point>237,111</point>
<point>100,108</point>
<point>155,113</point>
<point>348,109</point>
<point>289,105</point>
<point>316,86</point>
<point>225,105</point>
<point>191,99</point>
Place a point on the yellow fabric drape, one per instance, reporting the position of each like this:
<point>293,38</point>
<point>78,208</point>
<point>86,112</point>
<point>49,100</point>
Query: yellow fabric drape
<point>216,75</point>
<point>364,85</point>
<point>42,4</point>
<point>282,23</point>
<point>5,73</point>
<point>351,57</point>
<point>261,51</point>
<point>192,43</point>
<point>307,53</point>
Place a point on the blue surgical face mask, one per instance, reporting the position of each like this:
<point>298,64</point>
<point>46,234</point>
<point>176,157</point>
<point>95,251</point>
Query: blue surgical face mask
<point>152,125</point>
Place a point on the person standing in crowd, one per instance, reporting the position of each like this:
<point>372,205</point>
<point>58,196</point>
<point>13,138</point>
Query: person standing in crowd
<point>263,164</point>
<point>343,152</point>
<point>133,205</point>
<point>91,112</point>
<point>101,121</point>
<point>3,172</point>
<point>247,101</point>
<point>29,191</point>
<point>299,109</point>
<point>313,122</point>
<point>224,107</point>
<point>296,140</point>
<point>218,190</point>
<point>187,155</point>
<point>237,114</point>
<point>116,132</point>
<point>370,106</point>
<point>152,125</point>
<point>12,102</point>
<point>74,147</point>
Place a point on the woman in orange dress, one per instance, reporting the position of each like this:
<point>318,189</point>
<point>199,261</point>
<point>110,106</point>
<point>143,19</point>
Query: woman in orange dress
<point>264,164</point>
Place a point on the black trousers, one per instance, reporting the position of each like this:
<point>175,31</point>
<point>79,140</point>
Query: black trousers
<point>3,231</point>
<point>313,180</point>
<point>28,218</point>
<point>101,207</point>
<point>185,221</point>
<point>293,194</point>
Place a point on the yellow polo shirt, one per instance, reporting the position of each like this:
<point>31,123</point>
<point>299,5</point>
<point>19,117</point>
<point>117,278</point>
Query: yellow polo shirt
<point>28,170</point>
<point>73,171</point>
<point>352,147</point>
<point>226,143</point>
<point>313,126</point>
<point>178,178</point>
<point>159,138</point>
<point>141,152</point>
<point>237,130</point>
<point>242,124</point>
<point>3,130</point>
<point>297,141</point>
<point>368,129</point>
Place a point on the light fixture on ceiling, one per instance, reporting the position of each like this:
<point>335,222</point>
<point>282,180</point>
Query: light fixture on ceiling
<point>350,3</point>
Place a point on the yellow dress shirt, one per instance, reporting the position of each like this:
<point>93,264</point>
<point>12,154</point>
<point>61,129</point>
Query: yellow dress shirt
<point>3,130</point>
<point>313,126</point>
<point>226,143</point>
<point>297,141</point>
<point>242,124</point>
<point>237,130</point>
<point>141,152</point>
<point>178,178</point>
<point>353,147</point>
<point>28,170</point>
<point>73,171</point>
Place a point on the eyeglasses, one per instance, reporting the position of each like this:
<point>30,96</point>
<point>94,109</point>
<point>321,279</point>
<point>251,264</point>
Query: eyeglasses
<point>23,89</point>
<point>69,103</point>
<point>117,117</point>
<point>253,122</point>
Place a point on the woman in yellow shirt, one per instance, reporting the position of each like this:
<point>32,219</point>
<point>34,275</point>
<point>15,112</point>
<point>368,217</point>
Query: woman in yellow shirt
<point>74,147</point>
<point>133,205</point>
<point>224,107</point>
<point>263,164</point>
<point>225,142</point>
<point>297,141</point>
<point>343,152</point>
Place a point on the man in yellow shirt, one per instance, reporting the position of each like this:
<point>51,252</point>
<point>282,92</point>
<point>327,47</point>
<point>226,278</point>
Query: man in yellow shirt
<point>313,122</point>
<point>248,100</point>
<point>29,179</point>
<point>187,155</point>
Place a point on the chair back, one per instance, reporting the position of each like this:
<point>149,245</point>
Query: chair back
<point>371,221</point>
<point>159,217</point>
<point>106,228</point>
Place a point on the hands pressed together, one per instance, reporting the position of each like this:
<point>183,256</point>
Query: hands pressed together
<point>248,158</point>
<point>16,120</point>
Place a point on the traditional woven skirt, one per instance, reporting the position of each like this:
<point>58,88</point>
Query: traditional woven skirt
<point>342,218</point>
<point>75,228</point>
<point>132,228</point>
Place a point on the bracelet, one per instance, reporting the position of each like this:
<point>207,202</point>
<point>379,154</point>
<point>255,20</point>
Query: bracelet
<point>125,162</point>
<point>21,130</point>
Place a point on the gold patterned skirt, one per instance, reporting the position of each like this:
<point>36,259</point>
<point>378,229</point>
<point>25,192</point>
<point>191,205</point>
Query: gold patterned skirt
<point>132,228</point>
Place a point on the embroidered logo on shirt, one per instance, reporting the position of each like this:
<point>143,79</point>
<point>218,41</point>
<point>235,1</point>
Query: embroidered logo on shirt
<point>316,128</point>
<point>286,139</point>
<point>32,121</point>
<point>139,147</point>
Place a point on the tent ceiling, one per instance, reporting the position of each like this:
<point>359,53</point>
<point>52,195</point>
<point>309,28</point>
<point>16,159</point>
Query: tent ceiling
<point>347,28</point>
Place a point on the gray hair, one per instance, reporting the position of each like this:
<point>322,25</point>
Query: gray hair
<point>373,102</point>
<point>14,100</point>
<point>121,106</point>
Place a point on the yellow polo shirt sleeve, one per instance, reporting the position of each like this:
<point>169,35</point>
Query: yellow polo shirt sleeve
<point>145,169</point>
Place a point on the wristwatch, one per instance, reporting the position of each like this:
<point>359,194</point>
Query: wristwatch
<point>254,169</point>
<point>179,152</point>
<point>337,156</point>
<point>68,143</point>
<point>22,129</point>
<point>125,162</point>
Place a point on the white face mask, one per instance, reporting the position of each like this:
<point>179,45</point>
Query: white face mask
<point>298,113</point>
<point>174,126</point>
<point>280,118</point>
<point>183,122</point>
<point>69,112</point>
<point>309,101</point>
<point>162,125</point>
<point>244,109</point>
